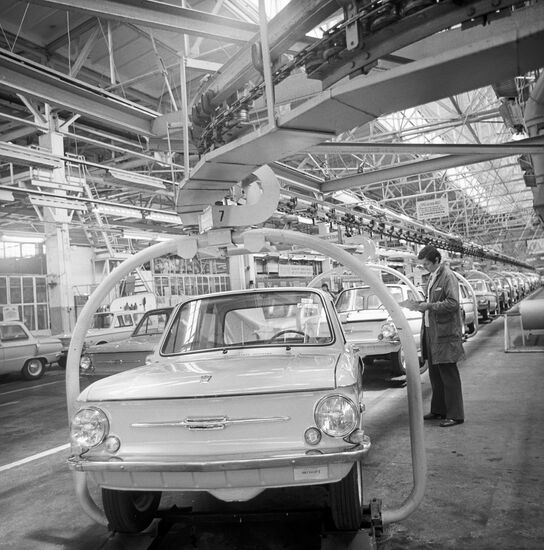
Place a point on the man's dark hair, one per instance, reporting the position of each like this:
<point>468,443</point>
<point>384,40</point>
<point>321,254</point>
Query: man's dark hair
<point>430,253</point>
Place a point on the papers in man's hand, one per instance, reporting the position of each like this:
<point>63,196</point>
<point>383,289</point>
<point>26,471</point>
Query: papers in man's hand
<point>409,304</point>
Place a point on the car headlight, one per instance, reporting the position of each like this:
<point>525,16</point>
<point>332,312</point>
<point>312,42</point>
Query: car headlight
<point>388,331</point>
<point>89,427</point>
<point>336,415</point>
<point>85,363</point>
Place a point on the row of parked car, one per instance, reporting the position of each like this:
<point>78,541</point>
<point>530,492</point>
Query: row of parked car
<point>497,292</point>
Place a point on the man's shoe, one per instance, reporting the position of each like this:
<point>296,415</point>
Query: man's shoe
<point>450,422</point>
<point>433,416</point>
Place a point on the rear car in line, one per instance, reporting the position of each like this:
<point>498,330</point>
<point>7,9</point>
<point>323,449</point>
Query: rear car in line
<point>368,325</point>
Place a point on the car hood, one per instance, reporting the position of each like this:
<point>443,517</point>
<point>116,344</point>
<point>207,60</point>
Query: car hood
<point>228,374</point>
<point>134,344</point>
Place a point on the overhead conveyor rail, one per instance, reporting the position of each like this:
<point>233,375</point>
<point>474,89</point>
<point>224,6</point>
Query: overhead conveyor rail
<point>461,60</point>
<point>457,61</point>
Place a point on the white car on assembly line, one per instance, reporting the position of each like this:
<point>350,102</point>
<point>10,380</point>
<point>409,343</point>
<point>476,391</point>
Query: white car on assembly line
<point>246,391</point>
<point>368,325</point>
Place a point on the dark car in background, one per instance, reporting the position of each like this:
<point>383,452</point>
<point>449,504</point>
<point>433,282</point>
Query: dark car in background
<point>106,359</point>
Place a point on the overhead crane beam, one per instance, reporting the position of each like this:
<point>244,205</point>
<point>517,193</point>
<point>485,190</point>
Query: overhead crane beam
<point>161,15</point>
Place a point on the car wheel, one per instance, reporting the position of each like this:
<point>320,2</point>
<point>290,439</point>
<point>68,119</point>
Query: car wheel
<point>471,328</point>
<point>33,369</point>
<point>398,363</point>
<point>130,511</point>
<point>485,314</point>
<point>346,500</point>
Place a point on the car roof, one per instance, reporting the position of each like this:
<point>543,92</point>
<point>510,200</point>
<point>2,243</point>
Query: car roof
<point>258,291</point>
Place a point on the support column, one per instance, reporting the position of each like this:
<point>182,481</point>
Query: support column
<point>57,246</point>
<point>241,271</point>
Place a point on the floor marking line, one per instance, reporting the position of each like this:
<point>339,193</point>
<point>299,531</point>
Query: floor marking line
<point>32,387</point>
<point>34,457</point>
<point>9,403</point>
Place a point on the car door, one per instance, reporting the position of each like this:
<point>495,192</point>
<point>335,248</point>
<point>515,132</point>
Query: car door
<point>17,346</point>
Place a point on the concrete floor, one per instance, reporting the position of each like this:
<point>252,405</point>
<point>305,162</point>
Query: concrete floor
<point>485,485</point>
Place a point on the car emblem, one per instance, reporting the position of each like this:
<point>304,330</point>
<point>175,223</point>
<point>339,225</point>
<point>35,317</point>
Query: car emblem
<point>205,378</point>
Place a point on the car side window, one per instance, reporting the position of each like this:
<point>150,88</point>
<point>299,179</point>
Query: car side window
<point>123,321</point>
<point>12,332</point>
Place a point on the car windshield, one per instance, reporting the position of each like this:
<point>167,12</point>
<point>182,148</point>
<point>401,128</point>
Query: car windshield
<point>356,299</point>
<point>250,319</point>
<point>478,286</point>
<point>151,323</point>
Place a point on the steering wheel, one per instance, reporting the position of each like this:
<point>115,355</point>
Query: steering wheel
<point>286,331</point>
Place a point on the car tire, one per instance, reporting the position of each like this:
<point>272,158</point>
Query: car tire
<point>346,500</point>
<point>130,511</point>
<point>398,363</point>
<point>471,328</point>
<point>485,313</point>
<point>33,369</point>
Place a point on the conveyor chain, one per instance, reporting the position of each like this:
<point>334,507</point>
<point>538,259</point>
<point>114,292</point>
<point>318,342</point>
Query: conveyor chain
<point>371,30</point>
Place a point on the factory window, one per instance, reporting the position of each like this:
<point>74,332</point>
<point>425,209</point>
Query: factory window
<point>176,277</point>
<point>26,299</point>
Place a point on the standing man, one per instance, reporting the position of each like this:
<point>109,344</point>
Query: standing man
<point>442,342</point>
<point>325,288</point>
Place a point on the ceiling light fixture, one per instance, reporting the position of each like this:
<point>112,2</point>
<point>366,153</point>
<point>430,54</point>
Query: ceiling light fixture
<point>166,217</point>
<point>137,179</point>
<point>147,236</point>
<point>23,239</point>
<point>119,211</point>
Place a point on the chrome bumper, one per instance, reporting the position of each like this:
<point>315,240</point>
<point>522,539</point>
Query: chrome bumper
<point>354,454</point>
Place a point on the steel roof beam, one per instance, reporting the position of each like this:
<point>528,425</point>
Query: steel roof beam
<point>161,15</point>
<point>404,170</point>
<point>59,90</point>
<point>530,145</point>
